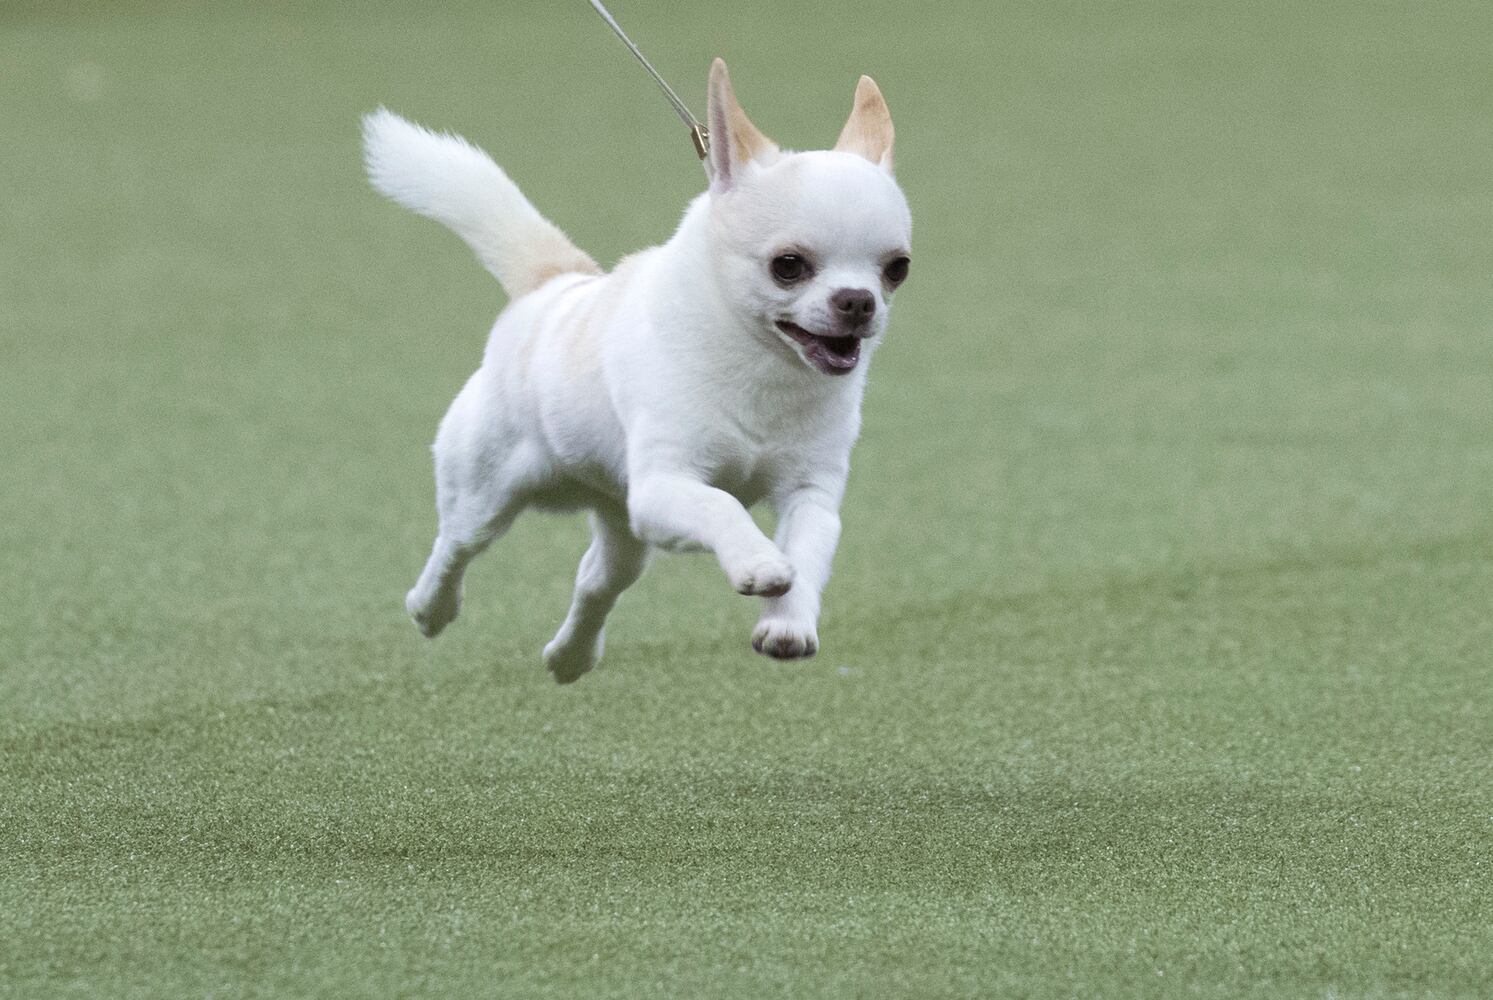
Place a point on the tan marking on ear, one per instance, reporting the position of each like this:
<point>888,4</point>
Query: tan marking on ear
<point>744,142</point>
<point>868,132</point>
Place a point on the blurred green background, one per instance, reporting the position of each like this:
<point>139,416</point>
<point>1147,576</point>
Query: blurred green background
<point>1157,657</point>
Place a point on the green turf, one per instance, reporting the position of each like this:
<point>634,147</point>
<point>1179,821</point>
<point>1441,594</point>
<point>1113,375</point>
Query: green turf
<point>1158,658</point>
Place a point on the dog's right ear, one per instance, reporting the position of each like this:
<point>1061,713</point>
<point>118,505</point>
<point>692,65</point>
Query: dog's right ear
<point>734,140</point>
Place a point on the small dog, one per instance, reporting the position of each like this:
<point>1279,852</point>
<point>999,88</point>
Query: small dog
<point>699,377</point>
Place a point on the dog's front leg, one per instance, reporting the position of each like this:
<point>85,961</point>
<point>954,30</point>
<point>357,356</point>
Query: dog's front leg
<point>673,510</point>
<point>808,531</point>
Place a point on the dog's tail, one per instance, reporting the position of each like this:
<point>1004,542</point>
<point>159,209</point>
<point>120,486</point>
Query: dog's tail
<point>446,178</point>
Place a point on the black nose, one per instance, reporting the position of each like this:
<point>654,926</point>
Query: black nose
<point>854,306</point>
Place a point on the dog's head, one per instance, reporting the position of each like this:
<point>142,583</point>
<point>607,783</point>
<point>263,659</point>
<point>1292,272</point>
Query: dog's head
<point>808,246</point>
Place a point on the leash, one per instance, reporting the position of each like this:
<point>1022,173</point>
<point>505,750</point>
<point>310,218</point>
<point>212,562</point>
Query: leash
<point>698,133</point>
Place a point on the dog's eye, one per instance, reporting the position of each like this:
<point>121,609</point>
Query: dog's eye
<point>789,267</point>
<point>895,271</point>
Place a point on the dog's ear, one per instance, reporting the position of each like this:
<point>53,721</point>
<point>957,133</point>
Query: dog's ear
<point>734,140</point>
<point>869,131</point>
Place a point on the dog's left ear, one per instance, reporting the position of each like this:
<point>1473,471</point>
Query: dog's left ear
<point>734,140</point>
<point>869,131</point>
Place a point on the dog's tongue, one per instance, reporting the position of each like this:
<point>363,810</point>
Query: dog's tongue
<point>831,362</point>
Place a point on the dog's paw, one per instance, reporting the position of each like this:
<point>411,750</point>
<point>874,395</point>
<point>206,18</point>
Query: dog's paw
<point>770,576</point>
<point>782,639</point>
<point>434,613</point>
<point>567,659</point>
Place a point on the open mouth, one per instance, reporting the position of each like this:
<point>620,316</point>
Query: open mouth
<point>831,355</point>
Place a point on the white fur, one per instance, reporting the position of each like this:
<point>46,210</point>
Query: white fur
<point>446,178</point>
<point>661,397</point>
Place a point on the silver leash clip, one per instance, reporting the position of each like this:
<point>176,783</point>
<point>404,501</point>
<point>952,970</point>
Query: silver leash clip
<point>699,135</point>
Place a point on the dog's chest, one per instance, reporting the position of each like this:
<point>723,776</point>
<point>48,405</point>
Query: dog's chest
<point>782,436</point>
<point>750,479</point>
<point>752,469</point>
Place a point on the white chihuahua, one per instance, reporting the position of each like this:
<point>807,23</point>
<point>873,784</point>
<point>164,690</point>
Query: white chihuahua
<point>697,378</point>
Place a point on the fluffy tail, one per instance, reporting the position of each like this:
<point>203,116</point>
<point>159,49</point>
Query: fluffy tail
<point>446,178</point>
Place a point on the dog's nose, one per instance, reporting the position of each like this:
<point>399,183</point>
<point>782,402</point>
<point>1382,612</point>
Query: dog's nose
<point>854,306</point>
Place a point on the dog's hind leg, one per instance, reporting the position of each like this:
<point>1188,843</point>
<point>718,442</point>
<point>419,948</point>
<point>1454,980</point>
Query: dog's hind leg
<point>476,504</point>
<point>613,562</point>
<point>435,599</point>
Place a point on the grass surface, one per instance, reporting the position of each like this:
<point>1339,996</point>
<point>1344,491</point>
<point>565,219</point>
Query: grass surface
<point>1158,655</point>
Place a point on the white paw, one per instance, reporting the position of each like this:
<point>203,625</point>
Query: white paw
<point>567,659</point>
<point>783,639</point>
<point>767,576</point>
<point>433,613</point>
